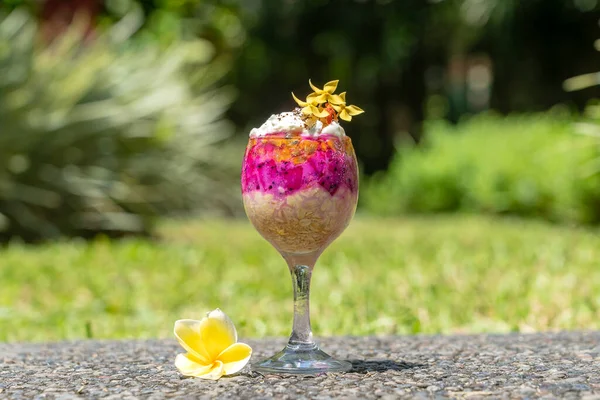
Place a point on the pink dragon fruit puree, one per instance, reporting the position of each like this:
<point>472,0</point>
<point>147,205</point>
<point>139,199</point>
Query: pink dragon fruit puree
<point>300,191</point>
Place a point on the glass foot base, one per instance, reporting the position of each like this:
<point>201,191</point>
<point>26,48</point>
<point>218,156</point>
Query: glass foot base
<point>301,360</point>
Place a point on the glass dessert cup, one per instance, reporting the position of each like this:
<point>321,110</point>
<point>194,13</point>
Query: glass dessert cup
<point>300,193</point>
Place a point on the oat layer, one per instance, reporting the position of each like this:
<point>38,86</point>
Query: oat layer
<point>305,221</point>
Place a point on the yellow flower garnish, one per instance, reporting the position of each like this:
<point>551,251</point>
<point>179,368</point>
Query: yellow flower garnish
<point>347,112</point>
<point>323,95</point>
<point>326,105</point>
<point>211,345</point>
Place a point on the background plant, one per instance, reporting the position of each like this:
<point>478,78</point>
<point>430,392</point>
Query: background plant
<point>100,137</point>
<point>393,55</point>
<point>532,166</point>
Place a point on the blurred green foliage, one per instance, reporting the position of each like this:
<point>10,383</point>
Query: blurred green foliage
<point>102,135</point>
<point>532,166</point>
<point>389,55</point>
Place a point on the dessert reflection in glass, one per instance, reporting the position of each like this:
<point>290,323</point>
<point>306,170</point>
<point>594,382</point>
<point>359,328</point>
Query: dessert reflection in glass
<point>300,189</point>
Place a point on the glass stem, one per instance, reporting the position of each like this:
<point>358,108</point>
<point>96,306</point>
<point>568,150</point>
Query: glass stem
<point>301,332</point>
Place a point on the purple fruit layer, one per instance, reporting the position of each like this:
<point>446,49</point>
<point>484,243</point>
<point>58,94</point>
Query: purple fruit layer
<point>283,166</point>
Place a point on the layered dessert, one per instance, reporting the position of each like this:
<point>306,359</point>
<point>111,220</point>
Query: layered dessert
<point>300,176</point>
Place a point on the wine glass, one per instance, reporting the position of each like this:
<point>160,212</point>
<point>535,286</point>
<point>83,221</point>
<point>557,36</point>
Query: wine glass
<point>300,193</point>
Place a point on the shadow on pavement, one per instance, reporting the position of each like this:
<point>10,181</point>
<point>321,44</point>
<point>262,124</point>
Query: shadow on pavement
<point>364,366</point>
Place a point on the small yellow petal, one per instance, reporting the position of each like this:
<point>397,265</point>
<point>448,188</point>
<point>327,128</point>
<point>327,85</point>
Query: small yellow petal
<point>189,365</point>
<point>235,357</point>
<point>217,332</point>
<point>354,110</point>
<point>319,113</point>
<point>331,86</point>
<point>307,110</point>
<point>316,99</point>
<point>187,332</point>
<point>337,108</point>
<point>345,116</point>
<point>314,88</point>
<point>336,99</point>
<point>312,98</point>
<point>343,96</point>
<point>322,98</point>
<point>297,100</point>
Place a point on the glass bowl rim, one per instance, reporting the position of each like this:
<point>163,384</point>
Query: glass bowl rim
<point>299,137</point>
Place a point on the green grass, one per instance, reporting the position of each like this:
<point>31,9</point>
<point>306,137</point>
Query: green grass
<point>442,274</point>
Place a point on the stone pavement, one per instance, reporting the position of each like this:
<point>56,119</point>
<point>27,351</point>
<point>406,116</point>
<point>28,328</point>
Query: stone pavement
<point>562,365</point>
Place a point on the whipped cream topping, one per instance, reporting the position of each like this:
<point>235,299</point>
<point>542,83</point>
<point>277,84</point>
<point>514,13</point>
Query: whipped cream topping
<point>292,122</point>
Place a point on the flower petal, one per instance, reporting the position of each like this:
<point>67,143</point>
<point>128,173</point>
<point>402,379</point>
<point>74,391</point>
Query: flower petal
<point>321,98</point>
<point>300,102</point>
<point>187,332</point>
<point>189,365</point>
<point>217,332</point>
<point>337,107</point>
<point>235,357</point>
<point>307,110</point>
<point>336,99</point>
<point>345,116</point>
<point>331,86</point>
<point>314,88</point>
<point>314,98</point>
<point>354,110</point>
<point>216,372</point>
<point>319,113</point>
